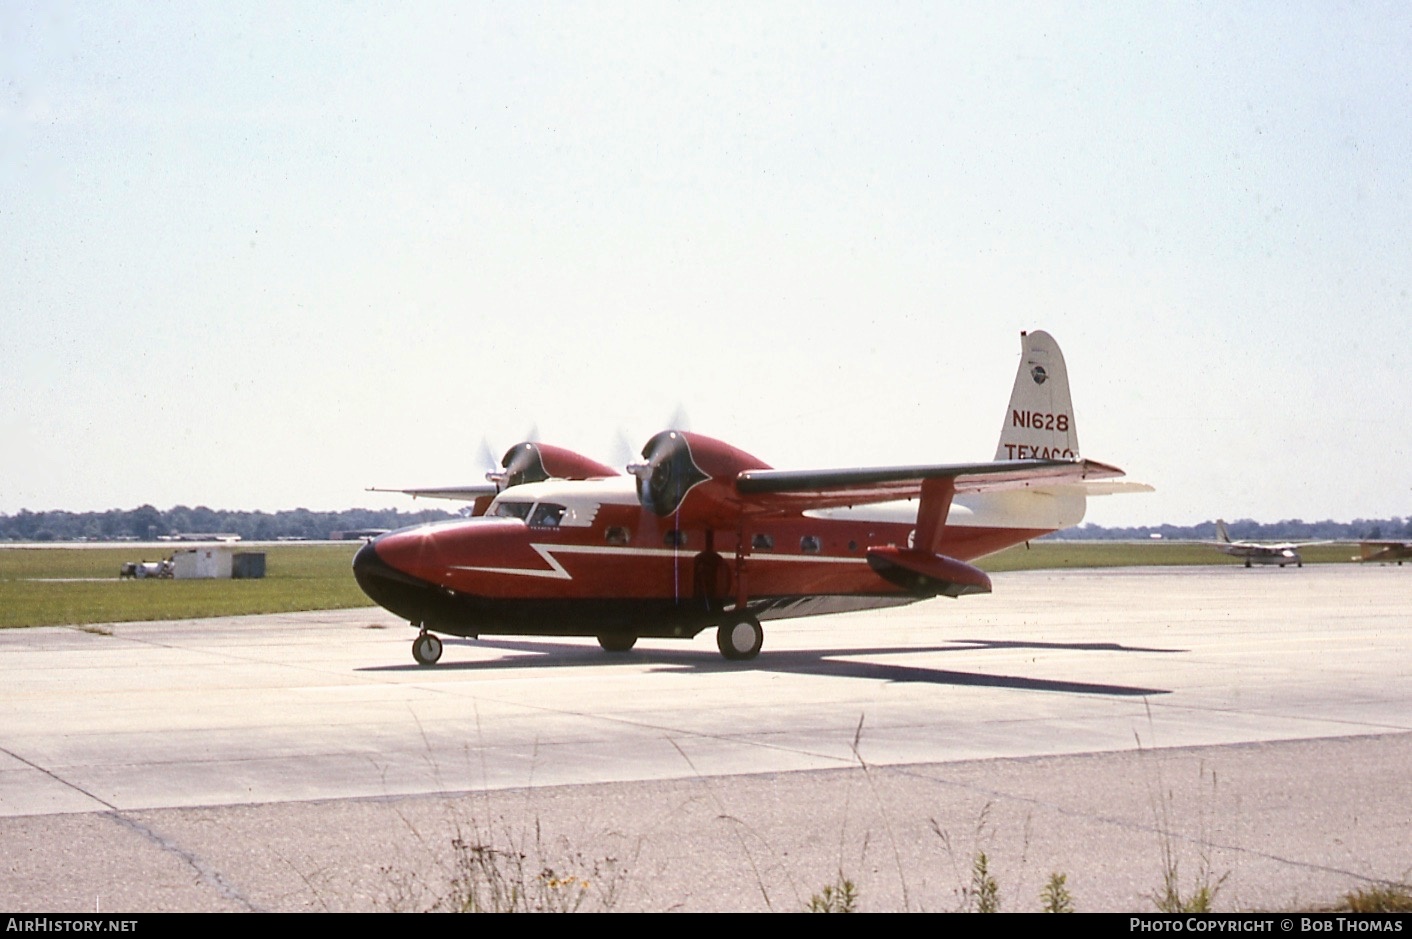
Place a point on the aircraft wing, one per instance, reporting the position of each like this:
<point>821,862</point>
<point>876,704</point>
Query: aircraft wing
<point>1383,551</point>
<point>1242,549</point>
<point>463,493</point>
<point>767,490</point>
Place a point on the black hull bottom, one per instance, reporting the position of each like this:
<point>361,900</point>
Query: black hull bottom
<point>445,611</point>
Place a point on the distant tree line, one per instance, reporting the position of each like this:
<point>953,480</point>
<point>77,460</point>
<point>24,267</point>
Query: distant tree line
<point>146,523</point>
<point>1247,529</point>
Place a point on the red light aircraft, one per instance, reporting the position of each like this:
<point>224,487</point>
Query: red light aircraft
<point>701,535</point>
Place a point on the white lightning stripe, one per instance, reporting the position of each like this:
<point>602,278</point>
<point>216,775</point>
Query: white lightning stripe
<point>805,558</point>
<point>558,572</point>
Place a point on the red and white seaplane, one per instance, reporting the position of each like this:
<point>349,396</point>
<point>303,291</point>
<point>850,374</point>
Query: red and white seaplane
<point>701,535</point>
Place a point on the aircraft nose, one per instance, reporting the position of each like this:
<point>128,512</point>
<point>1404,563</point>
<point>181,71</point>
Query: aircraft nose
<point>369,570</point>
<point>371,562</point>
<point>388,586</point>
<point>365,560</point>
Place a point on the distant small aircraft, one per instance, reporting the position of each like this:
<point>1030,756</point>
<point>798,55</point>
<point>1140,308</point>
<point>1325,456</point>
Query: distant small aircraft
<point>700,535</point>
<point>141,570</point>
<point>1255,552</point>
<point>1384,552</point>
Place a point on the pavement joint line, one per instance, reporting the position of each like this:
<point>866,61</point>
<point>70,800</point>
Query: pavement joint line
<point>666,732</point>
<point>214,654</point>
<point>58,779</point>
<point>1153,829</point>
<point>208,875</point>
<point>1367,729</point>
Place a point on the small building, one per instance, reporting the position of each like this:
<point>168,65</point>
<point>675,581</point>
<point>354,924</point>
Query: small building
<point>248,565</point>
<point>205,562</point>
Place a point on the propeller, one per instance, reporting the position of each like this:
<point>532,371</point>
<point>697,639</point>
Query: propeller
<point>522,464</point>
<point>622,452</point>
<point>485,457</point>
<point>667,472</point>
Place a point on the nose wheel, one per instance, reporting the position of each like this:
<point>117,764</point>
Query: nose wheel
<point>426,648</point>
<point>740,638</point>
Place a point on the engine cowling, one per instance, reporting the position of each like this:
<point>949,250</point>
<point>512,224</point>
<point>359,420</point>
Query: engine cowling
<point>530,462</point>
<point>692,478</point>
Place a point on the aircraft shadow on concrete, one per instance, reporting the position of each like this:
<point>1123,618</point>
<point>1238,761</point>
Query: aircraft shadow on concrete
<point>835,663</point>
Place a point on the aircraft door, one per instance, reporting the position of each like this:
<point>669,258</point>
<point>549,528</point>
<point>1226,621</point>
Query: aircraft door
<point>711,580</point>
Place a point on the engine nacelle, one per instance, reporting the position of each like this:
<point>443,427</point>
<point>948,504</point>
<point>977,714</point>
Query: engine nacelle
<point>531,462</point>
<point>692,478</point>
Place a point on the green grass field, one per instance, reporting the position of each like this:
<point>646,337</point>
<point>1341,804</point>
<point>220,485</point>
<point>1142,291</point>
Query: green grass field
<point>297,577</point>
<point>33,591</point>
<point>1044,555</point>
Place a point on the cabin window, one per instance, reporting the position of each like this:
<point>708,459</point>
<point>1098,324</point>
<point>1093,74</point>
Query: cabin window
<point>675,538</point>
<point>520,510</point>
<point>617,534</point>
<point>810,544</point>
<point>546,515</point>
<point>762,542</point>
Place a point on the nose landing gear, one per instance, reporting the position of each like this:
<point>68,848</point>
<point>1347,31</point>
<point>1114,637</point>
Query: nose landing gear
<point>426,648</point>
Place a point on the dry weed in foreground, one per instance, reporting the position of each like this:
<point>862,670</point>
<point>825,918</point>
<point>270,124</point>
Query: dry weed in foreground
<point>1382,898</point>
<point>841,896</point>
<point>524,877</point>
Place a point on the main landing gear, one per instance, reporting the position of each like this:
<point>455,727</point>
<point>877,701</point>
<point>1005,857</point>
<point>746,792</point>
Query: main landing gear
<point>740,638</point>
<point>426,648</point>
<point>617,642</point>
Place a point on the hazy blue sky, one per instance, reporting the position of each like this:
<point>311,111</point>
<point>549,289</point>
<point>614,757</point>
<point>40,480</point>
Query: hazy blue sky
<point>263,256</point>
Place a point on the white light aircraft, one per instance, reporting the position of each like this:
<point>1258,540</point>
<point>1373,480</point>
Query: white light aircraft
<point>1255,552</point>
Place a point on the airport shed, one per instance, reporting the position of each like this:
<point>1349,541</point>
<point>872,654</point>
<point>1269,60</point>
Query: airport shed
<point>248,565</point>
<point>205,562</point>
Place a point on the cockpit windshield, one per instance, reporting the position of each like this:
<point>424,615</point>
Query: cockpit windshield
<point>547,515</point>
<point>520,510</point>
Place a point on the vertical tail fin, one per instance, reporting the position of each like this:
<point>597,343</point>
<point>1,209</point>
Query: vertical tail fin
<point>1039,424</point>
<point>1221,531</point>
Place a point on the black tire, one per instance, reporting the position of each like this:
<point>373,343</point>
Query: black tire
<point>617,642</point>
<point>740,638</point>
<point>426,649</point>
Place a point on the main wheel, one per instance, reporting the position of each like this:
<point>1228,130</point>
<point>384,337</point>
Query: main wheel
<point>617,642</point>
<point>426,649</point>
<point>740,638</point>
